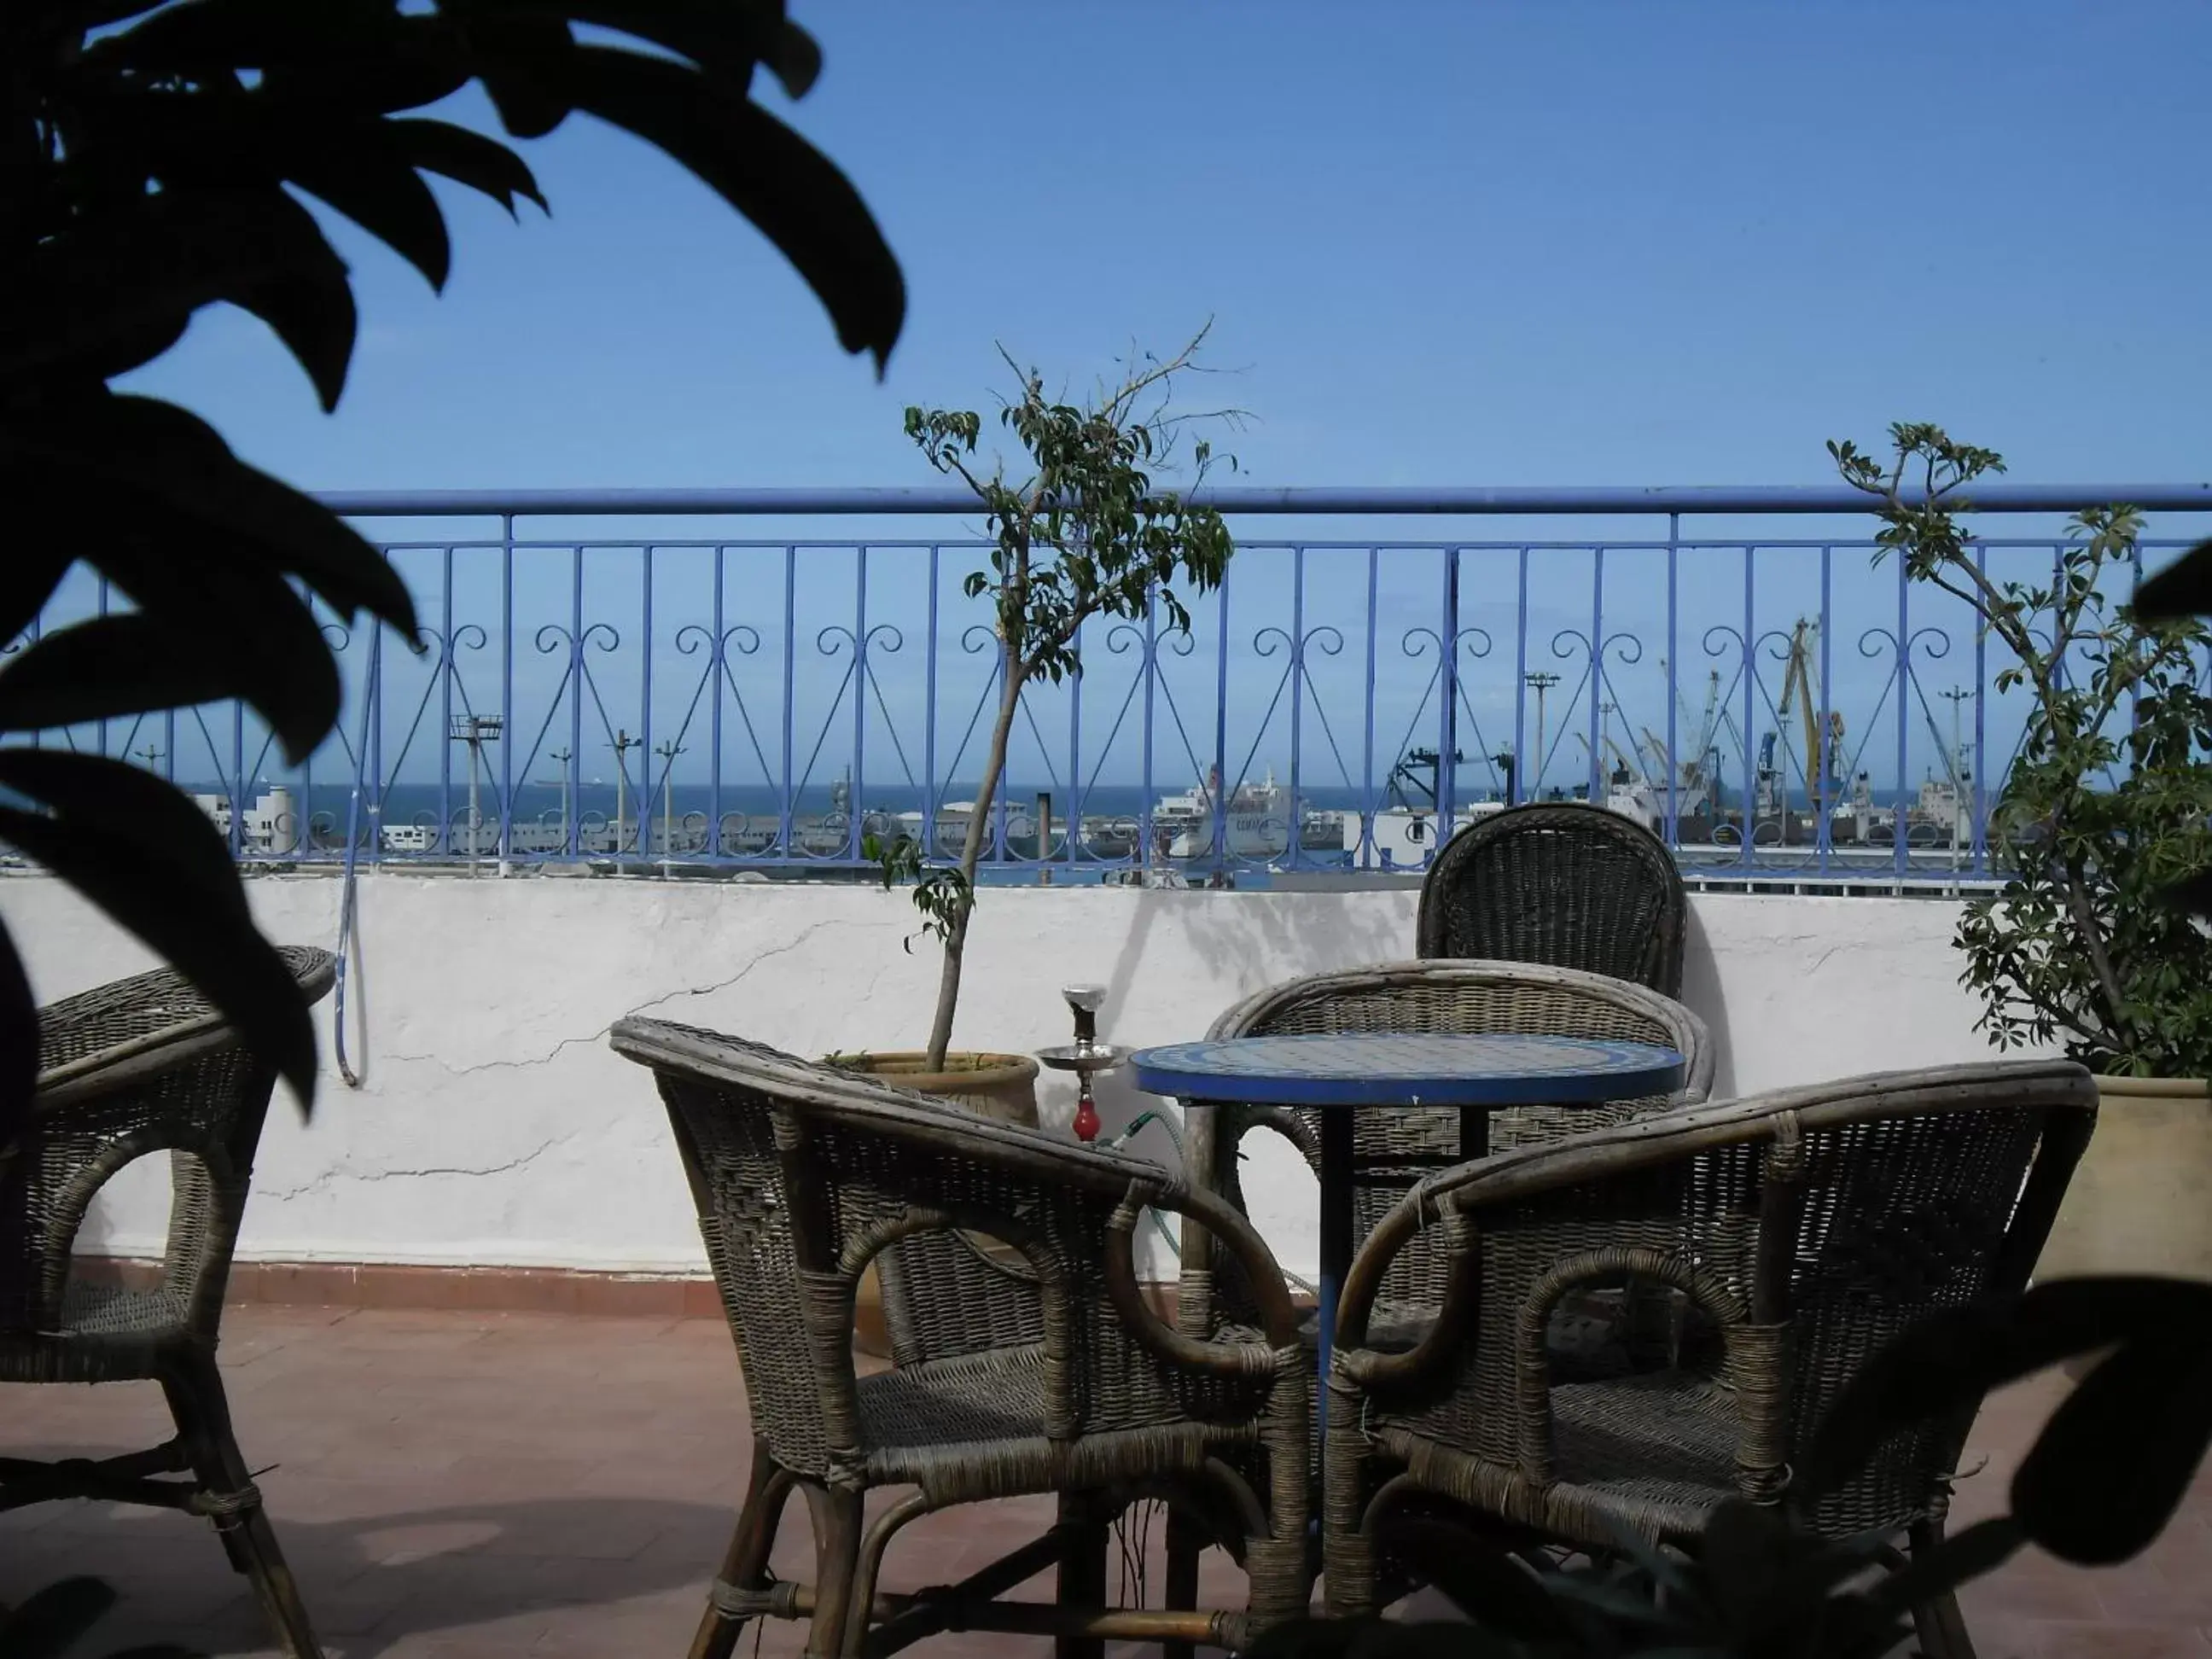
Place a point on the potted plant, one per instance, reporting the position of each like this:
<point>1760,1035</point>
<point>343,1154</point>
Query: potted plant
<point>2108,805</point>
<point>1089,533</point>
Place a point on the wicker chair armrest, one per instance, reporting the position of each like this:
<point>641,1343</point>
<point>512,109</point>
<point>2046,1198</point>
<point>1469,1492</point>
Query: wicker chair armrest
<point>1279,1318</point>
<point>57,1176</point>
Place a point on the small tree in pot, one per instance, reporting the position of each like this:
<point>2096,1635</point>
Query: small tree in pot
<point>2108,805</point>
<point>1090,532</point>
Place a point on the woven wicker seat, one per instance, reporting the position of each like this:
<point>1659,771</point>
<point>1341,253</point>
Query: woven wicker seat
<point>802,1175</point>
<point>1564,883</point>
<point>1811,1227</point>
<point>144,1065</point>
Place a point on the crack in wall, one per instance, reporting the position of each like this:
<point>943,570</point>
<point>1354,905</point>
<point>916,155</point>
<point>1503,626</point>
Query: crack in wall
<point>596,1038</point>
<point>366,1176</point>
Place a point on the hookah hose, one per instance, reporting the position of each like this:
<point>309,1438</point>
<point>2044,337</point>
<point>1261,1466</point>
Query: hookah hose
<point>1159,1221</point>
<point>348,946</point>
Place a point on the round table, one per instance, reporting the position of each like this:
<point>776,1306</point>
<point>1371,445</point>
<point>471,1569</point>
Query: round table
<point>1378,1071</point>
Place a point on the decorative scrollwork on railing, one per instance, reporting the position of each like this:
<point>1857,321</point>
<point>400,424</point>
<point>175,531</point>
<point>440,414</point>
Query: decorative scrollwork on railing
<point>1624,646</point>
<point>1933,642</point>
<point>553,637</point>
<point>835,638</point>
<point>1125,636</point>
<point>692,638</point>
<point>1322,637</point>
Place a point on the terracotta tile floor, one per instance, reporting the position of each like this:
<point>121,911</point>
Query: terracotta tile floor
<point>487,1485</point>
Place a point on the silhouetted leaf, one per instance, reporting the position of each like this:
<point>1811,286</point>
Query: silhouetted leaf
<point>140,850</point>
<point>134,270</point>
<point>726,40</point>
<point>36,566</point>
<point>2118,1455</point>
<point>1944,1364</point>
<point>2192,895</point>
<point>19,1041</point>
<point>1978,1549</point>
<point>2183,588</point>
<point>792,192</point>
<point>108,667</point>
<point>362,174</point>
<point>74,17</point>
<point>483,164</point>
<point>1382,1638</point>
<point>796,61</point>
<point>105,666</point>
<point>525,57</point>
<point>104,461</point>
<point>1482,1583</point>
<point>46,1624</point>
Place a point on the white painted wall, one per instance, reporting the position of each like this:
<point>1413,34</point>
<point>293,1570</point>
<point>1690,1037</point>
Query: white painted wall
<point>495,1126</point>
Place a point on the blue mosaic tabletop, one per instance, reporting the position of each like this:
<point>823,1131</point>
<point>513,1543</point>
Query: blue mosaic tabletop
<point>1393,1069</point>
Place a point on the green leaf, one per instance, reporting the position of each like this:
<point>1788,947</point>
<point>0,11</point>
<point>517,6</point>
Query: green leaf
<point>140,850</point>
<point>795,195</point>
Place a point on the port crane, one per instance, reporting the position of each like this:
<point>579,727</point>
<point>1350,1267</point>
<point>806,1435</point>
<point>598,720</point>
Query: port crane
<point>1696,771</point>
<point>1625,770</point>
<point>1824,776</point>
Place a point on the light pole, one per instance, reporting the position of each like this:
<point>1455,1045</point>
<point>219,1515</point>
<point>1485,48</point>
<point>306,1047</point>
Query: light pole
<point>560,757</point>
<point>476,730</point>
<point>668,752</point>
<point>1955,764</point>
<point>622,745</point>
<point>1540,682</point>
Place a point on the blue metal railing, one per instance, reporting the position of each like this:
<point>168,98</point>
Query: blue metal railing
<point>595,690</point>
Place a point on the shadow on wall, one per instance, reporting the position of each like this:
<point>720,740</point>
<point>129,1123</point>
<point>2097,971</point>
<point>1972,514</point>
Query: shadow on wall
<point>1260,939</point>
<point>1701,994</point>
<point>1245,942</point>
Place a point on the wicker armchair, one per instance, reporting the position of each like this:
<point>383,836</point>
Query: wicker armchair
<point>1566,884</point>
<point>144,1065</point>
<point>801,1175</point>
<point>1811,1225</point>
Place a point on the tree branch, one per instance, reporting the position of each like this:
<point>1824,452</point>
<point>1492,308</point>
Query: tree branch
<point>2093,940</point>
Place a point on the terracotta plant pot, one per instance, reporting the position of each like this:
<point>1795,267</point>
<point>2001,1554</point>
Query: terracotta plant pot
<point>1003,1087</point>
<point>2136,1204</point>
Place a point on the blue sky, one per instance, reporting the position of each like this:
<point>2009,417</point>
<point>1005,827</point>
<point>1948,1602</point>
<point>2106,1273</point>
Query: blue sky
<point>1442,243</point>
<point>1447,242</point>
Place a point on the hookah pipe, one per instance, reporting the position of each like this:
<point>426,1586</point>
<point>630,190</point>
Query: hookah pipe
<point>1086,1056</point>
